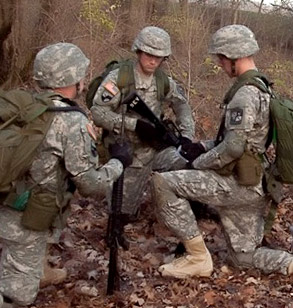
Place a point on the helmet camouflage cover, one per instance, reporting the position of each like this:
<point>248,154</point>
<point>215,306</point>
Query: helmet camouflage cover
<point>234,42</point>
<point>60,65</point>
<point>153,40</point>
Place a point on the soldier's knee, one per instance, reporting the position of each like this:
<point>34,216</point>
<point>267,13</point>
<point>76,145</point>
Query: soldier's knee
<point>157,179</point>
<point>160,186</point>
<point>26,300</point>
<point>22,292</point>
<point>242,260</point>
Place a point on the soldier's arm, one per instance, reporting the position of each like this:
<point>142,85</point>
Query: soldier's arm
<point>239,122</point>
<point>105,110</point>
<point>96,182</point>
<point>182,110</point>
<point>82,162</point>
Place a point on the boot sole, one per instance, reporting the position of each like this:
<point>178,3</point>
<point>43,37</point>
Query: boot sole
<point>203,274</point>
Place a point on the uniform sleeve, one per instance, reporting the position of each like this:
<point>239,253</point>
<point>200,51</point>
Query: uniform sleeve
<point>96,182</point>
<point>240,119</point>
<point>182,110</point>
<point>105,109</point>
<point>82,162</point>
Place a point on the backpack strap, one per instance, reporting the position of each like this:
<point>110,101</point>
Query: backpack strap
<point>125,80</point>
<point>73,107</point>
<point>163,84</point>
<point>254,78</point>
<point>251,77</point>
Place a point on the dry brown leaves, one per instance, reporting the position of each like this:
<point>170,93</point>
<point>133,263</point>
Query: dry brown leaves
<point>85,255</point>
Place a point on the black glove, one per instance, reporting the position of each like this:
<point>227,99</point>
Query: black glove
<point>122,152</point>
<point>146,131</point>
<point>184,140</point>
<point>191,151</point>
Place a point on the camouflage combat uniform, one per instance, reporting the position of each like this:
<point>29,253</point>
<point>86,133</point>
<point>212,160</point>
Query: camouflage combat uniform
<point>241,208</point>
<point>67,153</point>
<point>106,113</point>
<point>67,143</point>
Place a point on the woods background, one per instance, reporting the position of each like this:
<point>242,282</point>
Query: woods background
<point>105,30</point>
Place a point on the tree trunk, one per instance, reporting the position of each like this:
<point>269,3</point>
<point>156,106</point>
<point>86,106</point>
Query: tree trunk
<point>19,22</point>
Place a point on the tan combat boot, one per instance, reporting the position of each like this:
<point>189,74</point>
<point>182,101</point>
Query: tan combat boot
<point>52,275</point>
<point>198,261</point>
<point>290,269</point>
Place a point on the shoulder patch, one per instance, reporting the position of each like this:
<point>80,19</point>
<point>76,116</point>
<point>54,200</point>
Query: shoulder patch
<point>106,96</point>
<point>236,116</point>
<point>91,131</point>
<point>111,88</point>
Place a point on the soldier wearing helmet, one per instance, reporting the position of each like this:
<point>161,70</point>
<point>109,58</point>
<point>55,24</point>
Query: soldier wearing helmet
<point>66,157</point>
<point>228,175</point>
<point>152,46</point>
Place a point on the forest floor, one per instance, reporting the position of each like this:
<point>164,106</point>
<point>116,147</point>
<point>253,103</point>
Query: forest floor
<point>83,252</point>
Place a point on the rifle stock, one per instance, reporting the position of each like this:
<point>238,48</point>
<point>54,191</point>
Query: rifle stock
<point>167,131</point>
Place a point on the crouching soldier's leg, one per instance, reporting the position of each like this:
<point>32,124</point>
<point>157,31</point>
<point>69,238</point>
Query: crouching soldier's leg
<point>22,257</point>
<point>177,215</point>
<point>169,159</point>
<point>266,259</point>
<point>136,180</point>
<point>244,229</point>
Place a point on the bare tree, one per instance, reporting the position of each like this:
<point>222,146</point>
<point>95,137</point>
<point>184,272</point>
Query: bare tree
<point>286,5</point>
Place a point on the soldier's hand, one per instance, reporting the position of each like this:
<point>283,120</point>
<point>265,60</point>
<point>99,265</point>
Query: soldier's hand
<point>123,152</point>
<point>184,140</point>
<point>191,151</point>
<point>146,131</point>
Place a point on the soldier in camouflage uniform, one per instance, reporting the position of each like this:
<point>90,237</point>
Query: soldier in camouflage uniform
<point>240,203</point>
<point>67,153</point>
<point>152,46</point>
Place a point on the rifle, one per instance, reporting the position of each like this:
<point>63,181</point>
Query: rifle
<point>168,132</point>
<point>116,224</point>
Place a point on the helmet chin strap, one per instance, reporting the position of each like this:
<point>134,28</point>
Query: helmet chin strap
<point>78,89</point>
<point>233,68</point>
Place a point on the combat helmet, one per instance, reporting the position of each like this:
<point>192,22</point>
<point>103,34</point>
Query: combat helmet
<point>234,42</point>
<point>153,40</point>
<point>60,65</point>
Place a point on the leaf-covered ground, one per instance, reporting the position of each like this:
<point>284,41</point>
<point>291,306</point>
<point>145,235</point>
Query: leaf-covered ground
<point>83,252</point>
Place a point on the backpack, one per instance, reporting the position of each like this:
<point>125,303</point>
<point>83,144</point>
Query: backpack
<point>24,122</point>
<point>281,130</point>
<point>125,81</point>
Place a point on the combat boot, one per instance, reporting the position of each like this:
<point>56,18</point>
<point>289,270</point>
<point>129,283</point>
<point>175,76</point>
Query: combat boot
<point>197,261</point>
<point>52,275</point>
<point>290,268</point>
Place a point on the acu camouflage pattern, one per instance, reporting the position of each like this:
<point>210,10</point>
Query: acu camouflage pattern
<point>234,42</point>
<point>60,65</point>
<point>248,133</point>
<point>241,208</point>
<point>67,144</point>
<point>22,258</point>
<point>153,40</point>
<point>108,115</point>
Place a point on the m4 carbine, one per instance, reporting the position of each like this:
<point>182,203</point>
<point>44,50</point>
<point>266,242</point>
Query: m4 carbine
<point>168,133</point>
<point>116,222</point>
